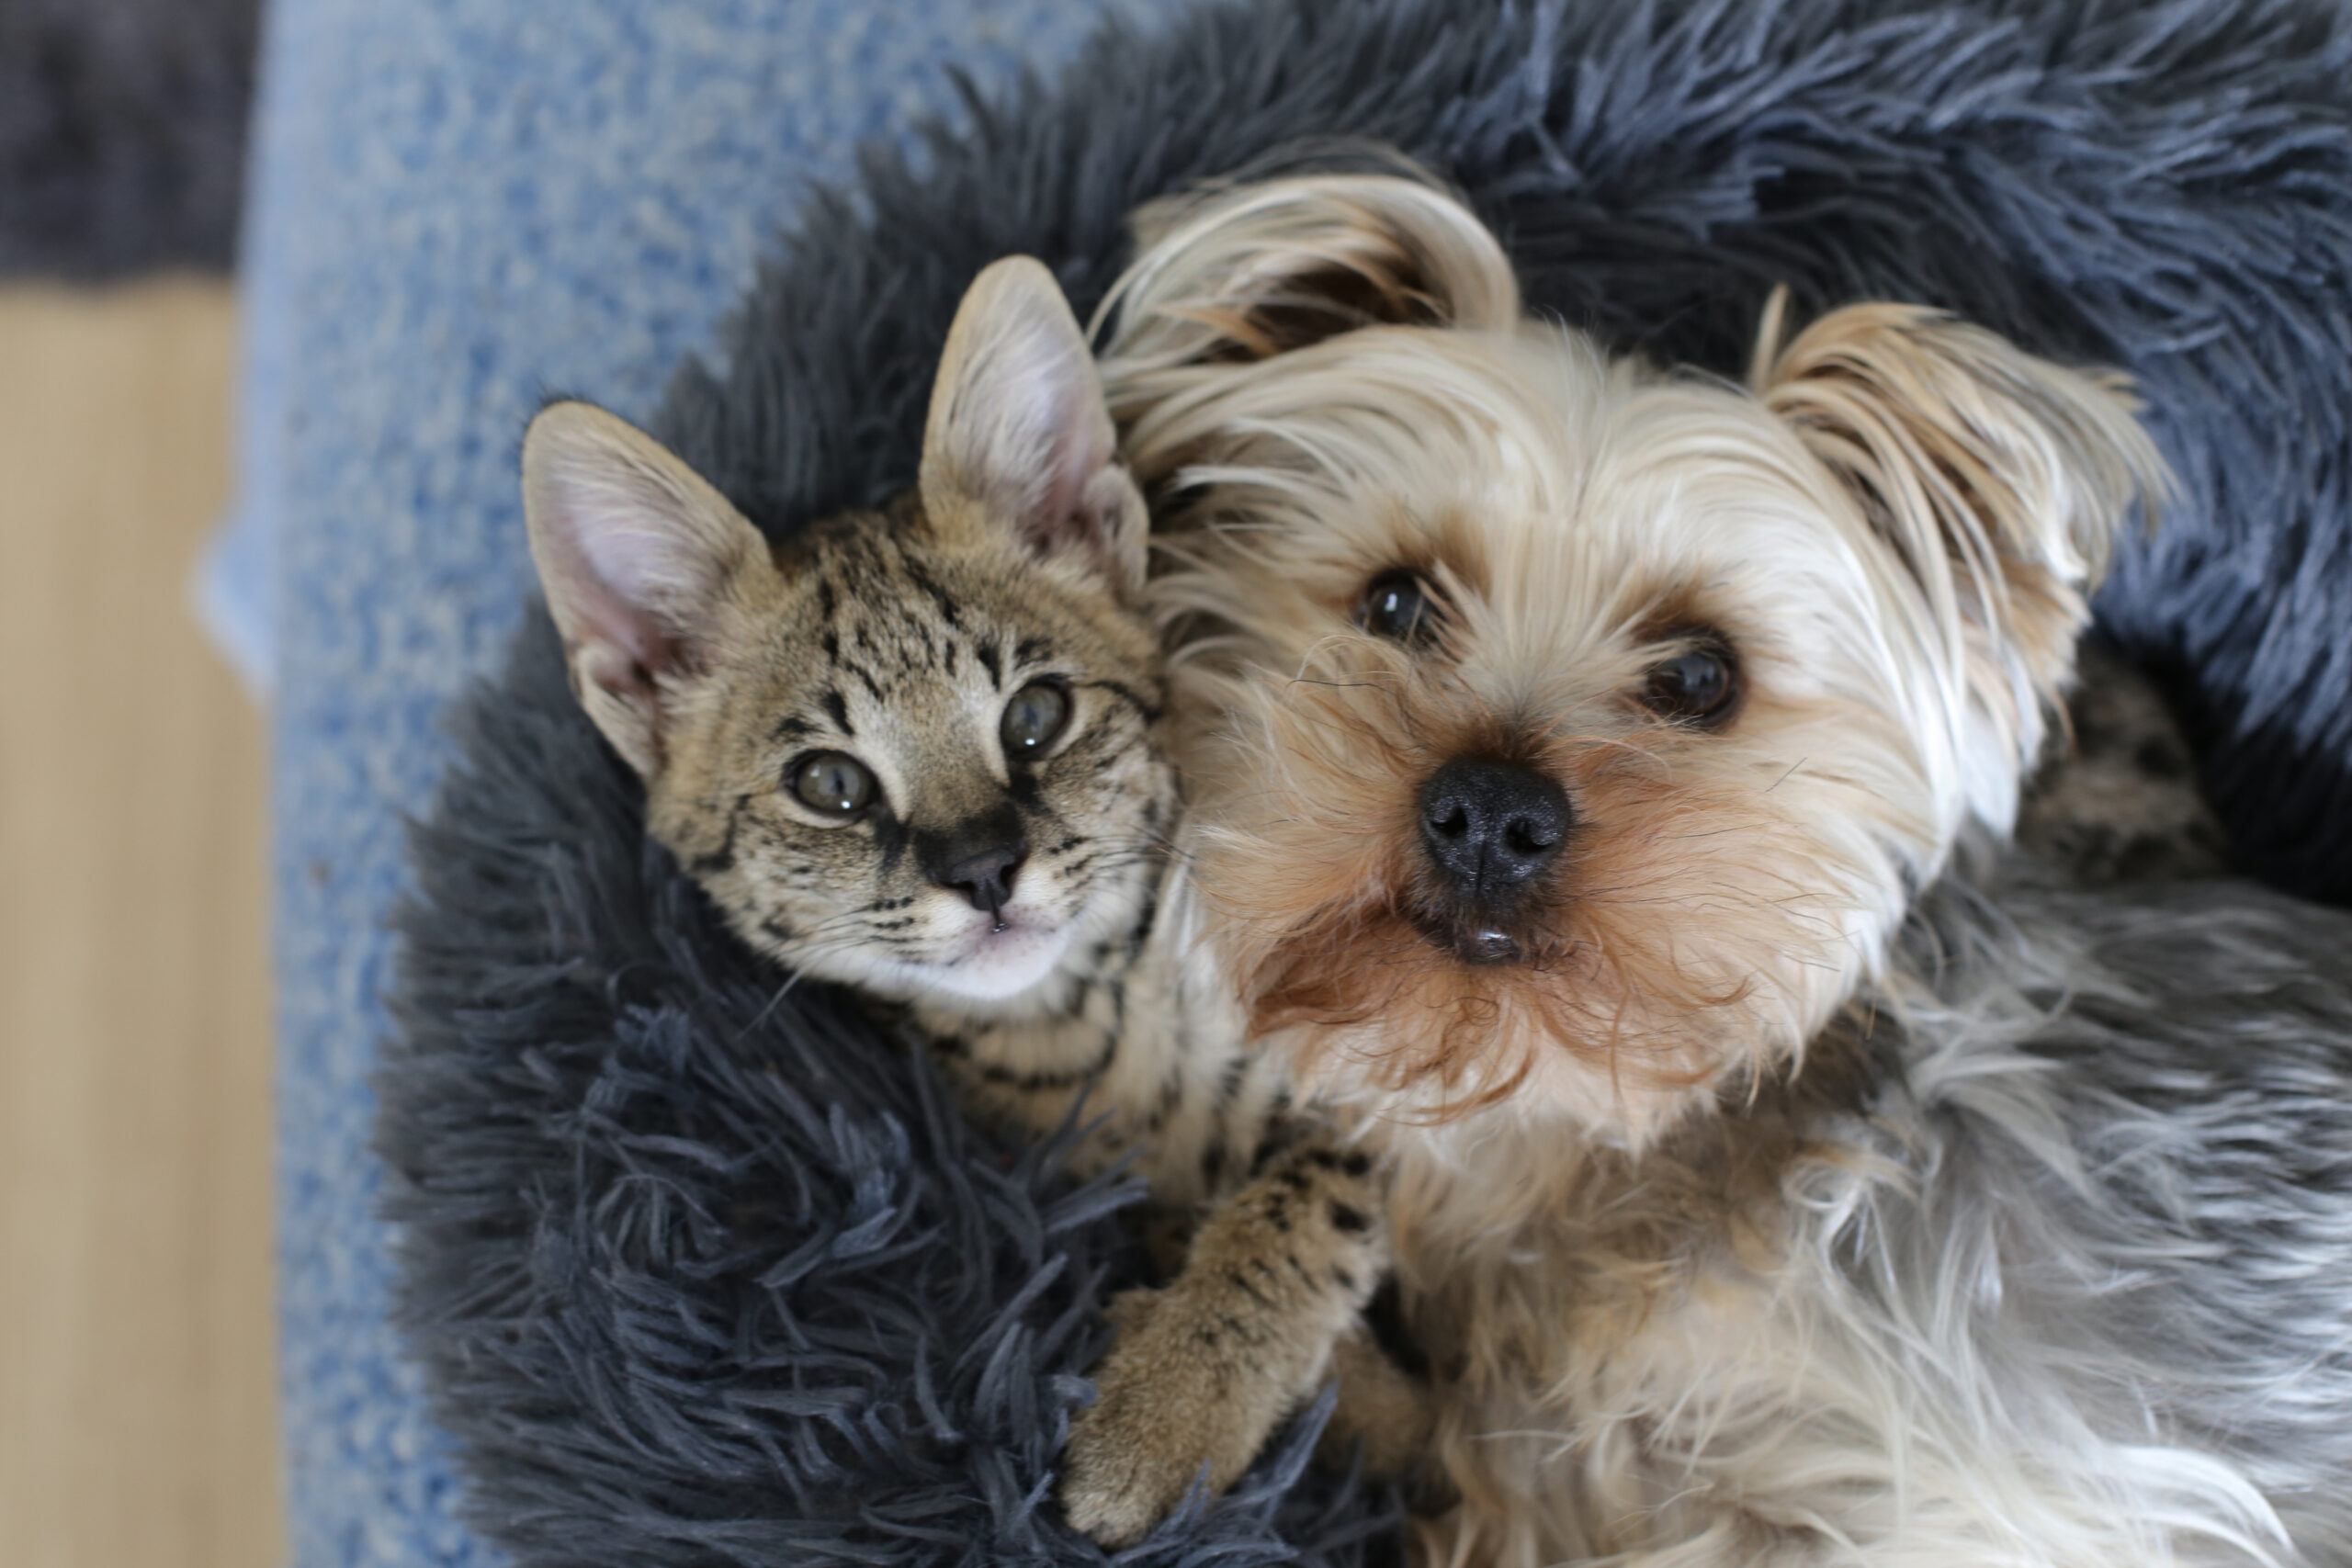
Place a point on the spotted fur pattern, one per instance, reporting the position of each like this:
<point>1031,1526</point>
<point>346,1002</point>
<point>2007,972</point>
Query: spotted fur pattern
<point>2118,800</point>
<point>1275,1281</point>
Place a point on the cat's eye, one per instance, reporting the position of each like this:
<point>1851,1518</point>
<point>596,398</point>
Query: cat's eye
<point>1700,686</point>
<point>1398,606</point>
<point>1035,718</point>
<point>834,783</point>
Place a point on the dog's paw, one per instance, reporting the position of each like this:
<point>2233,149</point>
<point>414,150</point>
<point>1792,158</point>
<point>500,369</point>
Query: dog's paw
<point>1173,1404</point>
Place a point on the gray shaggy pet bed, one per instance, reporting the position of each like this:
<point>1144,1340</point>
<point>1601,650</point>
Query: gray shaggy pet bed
<point>705,1273</point>
<point>122,133</point>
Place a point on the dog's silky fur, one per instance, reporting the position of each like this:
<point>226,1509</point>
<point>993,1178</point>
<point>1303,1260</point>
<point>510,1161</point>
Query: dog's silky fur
<point>695,1272</point>
<point>1896,534</point>
<point>1750,1204</point>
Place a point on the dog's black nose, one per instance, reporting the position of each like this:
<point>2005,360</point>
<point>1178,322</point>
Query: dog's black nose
<point>1491,825</point>
<point>977,859</point>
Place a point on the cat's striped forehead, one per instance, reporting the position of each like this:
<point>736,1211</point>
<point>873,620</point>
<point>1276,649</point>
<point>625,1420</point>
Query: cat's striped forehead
<point>888,617</point>
<point>887,614</point>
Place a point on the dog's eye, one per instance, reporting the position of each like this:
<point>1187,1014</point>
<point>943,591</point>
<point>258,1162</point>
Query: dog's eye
<point>1035,718</point>
<point>1697,687</point>
<point>832,784</point>
<point>1398,605</point>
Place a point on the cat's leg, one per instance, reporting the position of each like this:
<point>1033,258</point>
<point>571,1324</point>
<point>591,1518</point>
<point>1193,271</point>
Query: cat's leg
<point>1204,1369</point>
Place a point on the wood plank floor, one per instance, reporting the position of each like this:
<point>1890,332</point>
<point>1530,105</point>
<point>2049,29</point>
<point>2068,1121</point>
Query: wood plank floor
<point>137,1388</point>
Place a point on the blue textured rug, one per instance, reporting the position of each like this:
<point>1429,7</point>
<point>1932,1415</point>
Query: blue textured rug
<point>457,205</point>
<point>654,1233</point>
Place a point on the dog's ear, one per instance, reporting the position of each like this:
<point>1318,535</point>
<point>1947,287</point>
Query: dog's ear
<point>635,552</point>
<point>1251,269</point>
<point>1999,482</point>
<point>1018,440</point>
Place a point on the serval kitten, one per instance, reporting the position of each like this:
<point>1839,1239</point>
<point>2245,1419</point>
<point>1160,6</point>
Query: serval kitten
<point>919,752</point>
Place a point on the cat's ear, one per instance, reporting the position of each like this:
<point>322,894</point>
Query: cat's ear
<point>1018,440</point>
<point>637,553</point>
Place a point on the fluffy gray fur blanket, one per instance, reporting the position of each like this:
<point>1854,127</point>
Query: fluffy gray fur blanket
<point>702,1275</point>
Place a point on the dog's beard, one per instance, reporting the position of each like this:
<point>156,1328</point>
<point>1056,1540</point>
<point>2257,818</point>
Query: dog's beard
<point>1691,930</point>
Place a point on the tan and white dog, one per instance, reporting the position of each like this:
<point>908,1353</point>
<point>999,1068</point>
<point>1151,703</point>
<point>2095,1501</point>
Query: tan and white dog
<point>1578,750</point>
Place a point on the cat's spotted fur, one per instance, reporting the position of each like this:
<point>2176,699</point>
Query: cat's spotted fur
<point>843,740</point>
<point>2117,800</point>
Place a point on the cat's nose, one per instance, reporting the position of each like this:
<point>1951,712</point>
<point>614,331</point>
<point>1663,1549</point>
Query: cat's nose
<point>977,859</point>
<point>987,878</point>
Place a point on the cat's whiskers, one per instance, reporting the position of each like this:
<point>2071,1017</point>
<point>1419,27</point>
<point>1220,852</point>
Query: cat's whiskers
<point>791,981</point>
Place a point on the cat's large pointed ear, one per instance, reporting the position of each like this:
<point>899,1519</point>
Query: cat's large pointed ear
<point>1251,268</point>
<point>1999,479</point>
<point>635,552</point>
<point>1018,440</point>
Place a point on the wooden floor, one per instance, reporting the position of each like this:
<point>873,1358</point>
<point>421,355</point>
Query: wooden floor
<point>137,1391</point>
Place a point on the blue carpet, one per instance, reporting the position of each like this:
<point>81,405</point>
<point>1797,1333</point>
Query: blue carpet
<point>458,206</point>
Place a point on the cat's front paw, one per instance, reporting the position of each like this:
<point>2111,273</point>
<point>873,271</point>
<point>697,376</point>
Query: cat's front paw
<point>1202,1372</point>
<point>1169,1407</point>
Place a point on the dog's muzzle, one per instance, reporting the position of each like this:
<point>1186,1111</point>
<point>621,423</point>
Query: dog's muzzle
<point>1490,829</point>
